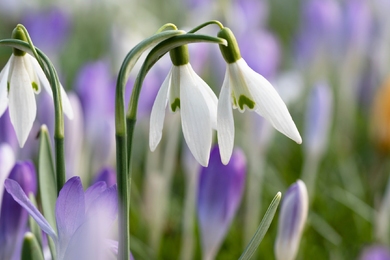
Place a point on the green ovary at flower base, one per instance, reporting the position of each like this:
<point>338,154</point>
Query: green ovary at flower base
<point>244,88</point>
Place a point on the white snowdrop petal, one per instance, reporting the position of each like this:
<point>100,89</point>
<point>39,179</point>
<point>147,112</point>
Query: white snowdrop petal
<point>268,103</point>
<point>209,96</point>
<point>3,87</point>
<point>195,118</point>
<point>32,67</point>
<point>22,106</point>
<point>225,122</point>
<point>42,79</point>
<point>158,113</point>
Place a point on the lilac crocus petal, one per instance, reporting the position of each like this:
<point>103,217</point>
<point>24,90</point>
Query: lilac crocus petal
<point>375,252</point>
<point>93,192</point>
<point>107,202</point>
<point>13,218</point>
<point>219,195</point>
<point>19,196</point>
<point>108,175</point>
<point>318,118</point>
<point>293,214</point>
<point>113,244</point>
<point>70,212</point>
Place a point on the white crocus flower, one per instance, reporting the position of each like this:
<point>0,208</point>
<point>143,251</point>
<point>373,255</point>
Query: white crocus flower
<point>184,89</point>
<point>19,80</point>
<point>243,87</point>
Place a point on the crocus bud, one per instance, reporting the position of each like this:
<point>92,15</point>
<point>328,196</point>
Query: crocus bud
<point>376,252</point>
<point>293,214</point>
<point>219,195</point>
<point>13,218</point>
<point>318,119</point>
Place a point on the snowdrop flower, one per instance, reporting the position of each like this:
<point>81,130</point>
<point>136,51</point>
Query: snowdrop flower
<point>244,88</point>
<point>183,89</point>
<point>82,218</point>
<point>219,195</point>
<point>293,214</point>
<point>19,80</point>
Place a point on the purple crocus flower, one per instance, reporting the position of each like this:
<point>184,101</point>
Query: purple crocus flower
<point>49,28</point>
<point>219,195</point>
<point>358,23</point>
<point>318,118</point>
<point>292,218</point>
<point>13,218</point>
<point>98,107</point>
<point>107,174</point>
<point>376,252</point>
<point>83,218</point>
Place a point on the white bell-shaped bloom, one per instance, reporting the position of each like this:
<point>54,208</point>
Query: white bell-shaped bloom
<point>184,89</point>
<point>244,88</point>
<point>19,80</point>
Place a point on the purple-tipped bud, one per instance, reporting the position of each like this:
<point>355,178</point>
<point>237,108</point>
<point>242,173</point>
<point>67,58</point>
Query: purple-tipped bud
<point>376,252</point>
<point>13,218</point>
<point>219,195</point>
<point>318,118</point>
<point>292,218</point>
<point>108,175</point>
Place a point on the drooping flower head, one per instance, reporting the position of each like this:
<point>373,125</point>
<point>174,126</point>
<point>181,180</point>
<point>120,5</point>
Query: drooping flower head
<point>13,218</point>
<point>219,196</point>
<point>19,80</point>
<point>243,89</point>
<point>292,218</point>
<point>83,219</point>
<point>183,89</point>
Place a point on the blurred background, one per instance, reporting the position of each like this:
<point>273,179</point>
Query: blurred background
<point>330,62</point>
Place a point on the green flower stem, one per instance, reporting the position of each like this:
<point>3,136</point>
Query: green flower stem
<point>206,24</point>
<point>123,175</point>
<point>52,76</point>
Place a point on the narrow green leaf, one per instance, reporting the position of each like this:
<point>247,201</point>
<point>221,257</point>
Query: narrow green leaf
<point>47,181</point>
<point>262,229</point>
<point>31,249</point>
<point>34,227</point>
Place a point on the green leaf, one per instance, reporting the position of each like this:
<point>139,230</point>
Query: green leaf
<point>262,229</point>
<point>31,249</point>
<point>47,181</point>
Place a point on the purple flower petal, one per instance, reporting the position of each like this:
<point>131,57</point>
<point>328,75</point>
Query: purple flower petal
<point>13,218</point>
<point>108,175</point>
<point>376,252</point>
<point>93,192</point>
<point>70,212</point>
<point>106,202</point>
<point>19,196</point>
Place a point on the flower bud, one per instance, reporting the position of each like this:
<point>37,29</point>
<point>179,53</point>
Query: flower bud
<point>293,214</point>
